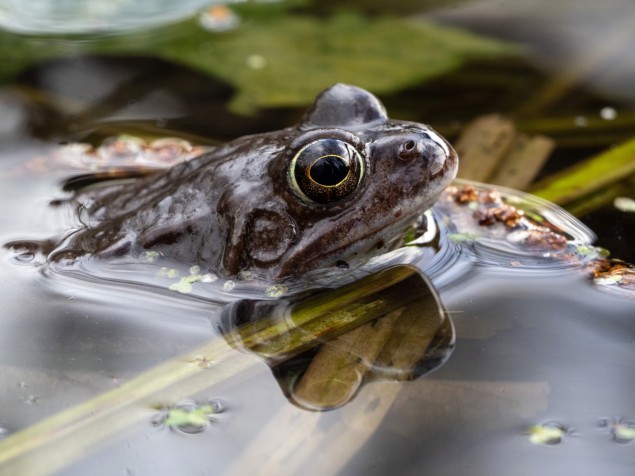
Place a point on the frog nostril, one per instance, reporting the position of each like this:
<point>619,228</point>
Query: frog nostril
<point>408,150</point>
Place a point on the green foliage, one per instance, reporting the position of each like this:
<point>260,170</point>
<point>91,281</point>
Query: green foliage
<point>281,59</point>
<point>286,60</point>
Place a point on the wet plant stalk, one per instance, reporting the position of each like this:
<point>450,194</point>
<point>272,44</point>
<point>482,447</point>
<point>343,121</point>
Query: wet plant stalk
<point>576,184</point>
<point>61,440</point>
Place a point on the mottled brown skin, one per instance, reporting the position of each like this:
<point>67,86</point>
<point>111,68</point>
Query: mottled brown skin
<point>235,208</point>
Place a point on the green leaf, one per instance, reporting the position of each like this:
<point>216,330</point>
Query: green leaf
<point>286,60</point>
<point>283,60</point>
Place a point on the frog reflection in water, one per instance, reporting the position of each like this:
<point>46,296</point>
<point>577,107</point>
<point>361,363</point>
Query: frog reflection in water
<point>340,186</point>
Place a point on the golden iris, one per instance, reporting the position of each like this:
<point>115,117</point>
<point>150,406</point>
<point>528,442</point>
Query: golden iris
<point>326,170</point>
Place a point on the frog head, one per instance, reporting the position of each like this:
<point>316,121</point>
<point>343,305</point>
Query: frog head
<point>346,185</point>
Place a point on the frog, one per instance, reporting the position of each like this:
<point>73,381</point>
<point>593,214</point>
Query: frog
<point>335,189</point>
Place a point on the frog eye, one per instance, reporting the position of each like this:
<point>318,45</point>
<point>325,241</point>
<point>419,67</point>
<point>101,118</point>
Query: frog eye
<point>326,170</point>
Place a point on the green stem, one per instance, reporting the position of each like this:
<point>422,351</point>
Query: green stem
<point>589,177</point>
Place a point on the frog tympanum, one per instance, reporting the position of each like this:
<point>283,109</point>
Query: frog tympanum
<point>341,185</point>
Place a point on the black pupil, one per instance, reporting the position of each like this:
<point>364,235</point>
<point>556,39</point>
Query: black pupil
<point>329,170</point>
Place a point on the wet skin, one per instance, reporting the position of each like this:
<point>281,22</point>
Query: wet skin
<point>340,186</point>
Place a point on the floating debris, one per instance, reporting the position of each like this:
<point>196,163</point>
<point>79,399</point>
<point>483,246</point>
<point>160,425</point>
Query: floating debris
<point>277,290</point>
<point>548,433</point>
<point>538,239</point>
<point>31,399</point>
<point>184,285</point>
<point>247,275</point>
<point>169,150</point>
<point>119,149</point>
<point>168,272</point>
<point>592,251</point>
<point>496,218</point>
<point>203,362</point>
<point>126,151</point>
<point>621,430</point>
<point>608,272</point>
<point>489,209</point>
<point>188,416</point>
<point>208,278</point>
<point>149,256</point>
<point>229,285</point>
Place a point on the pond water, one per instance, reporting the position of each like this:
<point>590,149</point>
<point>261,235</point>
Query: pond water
<point>538,377</point>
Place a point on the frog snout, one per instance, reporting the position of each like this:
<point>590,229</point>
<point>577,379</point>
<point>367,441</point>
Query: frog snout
<point>441,155</point>
<point>436,157</point>
<point>424,149</point>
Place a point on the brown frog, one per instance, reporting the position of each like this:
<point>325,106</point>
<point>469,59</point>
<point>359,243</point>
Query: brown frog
<point>340,186</point>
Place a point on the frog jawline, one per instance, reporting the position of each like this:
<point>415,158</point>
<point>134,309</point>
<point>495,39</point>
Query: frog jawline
<point>364,248</point>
